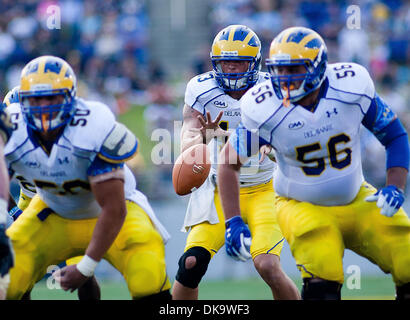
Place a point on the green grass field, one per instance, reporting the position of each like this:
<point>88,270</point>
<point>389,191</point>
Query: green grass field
<point>134,120</point>
<point>372,288</point>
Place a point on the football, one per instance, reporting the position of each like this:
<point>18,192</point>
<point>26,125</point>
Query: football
<point>191,169</point>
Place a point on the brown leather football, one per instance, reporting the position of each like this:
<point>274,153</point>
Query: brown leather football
<point>191,169</point>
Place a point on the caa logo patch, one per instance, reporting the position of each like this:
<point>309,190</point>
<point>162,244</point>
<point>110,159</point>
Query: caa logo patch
<point>221,104</point>
<point>32,164</point>
<point>296,125</point>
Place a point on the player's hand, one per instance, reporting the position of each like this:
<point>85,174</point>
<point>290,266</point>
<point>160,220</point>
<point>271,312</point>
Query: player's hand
<point>389,199</point>
<point>237,239</point>
<point>70,278</point>
<point>6,252</point>
<point>210,128</point>
<point>266,151</point>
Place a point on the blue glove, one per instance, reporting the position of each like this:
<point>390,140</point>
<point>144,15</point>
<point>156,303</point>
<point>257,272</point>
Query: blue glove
<point>15,213</point>
<point>389,199</point>
<point>6,252</point>
<point>237,239</point>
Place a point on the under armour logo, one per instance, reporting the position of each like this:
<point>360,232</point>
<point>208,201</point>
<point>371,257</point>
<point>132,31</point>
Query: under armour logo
<point>62,161</point>
<point>329,113</point>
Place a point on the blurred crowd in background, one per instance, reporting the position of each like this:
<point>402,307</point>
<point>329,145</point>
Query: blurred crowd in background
<point>108,45</point>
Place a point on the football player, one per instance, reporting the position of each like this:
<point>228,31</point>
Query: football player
<point>74,151</point>
<point>6,251</point>
<point>310,114</point>
<point>215,95</point>
<point>90,290</point>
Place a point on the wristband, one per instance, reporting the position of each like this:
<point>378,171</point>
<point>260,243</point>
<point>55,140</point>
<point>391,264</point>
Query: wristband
<point>87,266</point>
<point>3,211</point>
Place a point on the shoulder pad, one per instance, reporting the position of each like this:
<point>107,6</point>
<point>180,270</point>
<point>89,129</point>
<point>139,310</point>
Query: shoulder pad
<point>93,120</point>
<point>263,76</point>
<point>19,135</point>
<point>351,80</point>
<point>261,109</point>
<point>201,89</point>
<point>120,145</point>
<point>6,127</point>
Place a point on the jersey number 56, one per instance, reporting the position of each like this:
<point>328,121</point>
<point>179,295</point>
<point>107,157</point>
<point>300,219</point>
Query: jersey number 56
<point>320,166</point>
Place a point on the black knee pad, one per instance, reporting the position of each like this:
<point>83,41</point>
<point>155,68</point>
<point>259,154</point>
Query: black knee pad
<point>319,289</point>
<point>192,277</point>
<point>403,292</point>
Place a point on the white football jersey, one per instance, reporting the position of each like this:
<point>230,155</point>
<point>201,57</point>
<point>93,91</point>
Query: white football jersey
<point>203,94</point>
<point>27,187</point>
<point>61,178</point>
<point>318,153</point>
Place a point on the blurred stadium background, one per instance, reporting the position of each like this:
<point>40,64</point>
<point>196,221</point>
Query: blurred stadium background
<point>137,56</point>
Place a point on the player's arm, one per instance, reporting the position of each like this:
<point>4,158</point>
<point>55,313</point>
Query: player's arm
<point>106,176</point>
<point>107,185</point>
<point>108,190</point>
<point>228,181</point>
<point>196,129</point>
<point>240,146</point>
<point>385,125</point>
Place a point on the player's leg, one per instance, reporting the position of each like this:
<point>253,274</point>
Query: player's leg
<point>22,204</point>
<point>316,244</point>
<point>40,241</point>
<point>138,253</point>
<point>203,241</point>
<point>383,240</point>
<point>258,210</point>
<point>90,290</point>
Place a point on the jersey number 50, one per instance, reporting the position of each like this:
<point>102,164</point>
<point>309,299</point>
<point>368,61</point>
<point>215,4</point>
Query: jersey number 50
<point>332,152</point>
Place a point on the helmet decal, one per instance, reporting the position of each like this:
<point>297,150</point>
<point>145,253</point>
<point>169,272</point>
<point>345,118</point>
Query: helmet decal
<point>12,96</point>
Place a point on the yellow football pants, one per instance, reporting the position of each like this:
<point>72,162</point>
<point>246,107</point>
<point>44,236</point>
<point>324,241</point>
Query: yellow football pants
<point>257,210</point>
<point>23,203</point>
<point>138,252</point>
<point>318,235</point>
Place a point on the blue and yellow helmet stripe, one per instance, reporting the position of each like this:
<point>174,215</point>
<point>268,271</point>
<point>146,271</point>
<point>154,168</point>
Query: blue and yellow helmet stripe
<point>48,73</point>
<point>12,96</point>
<point>297,43</point>
<point>236,41</point>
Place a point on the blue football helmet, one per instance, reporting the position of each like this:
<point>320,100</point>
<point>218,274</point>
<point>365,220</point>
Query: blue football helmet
<point>236,42</point>
<point>297,46</point>
<point>47,76</point>
<point>12,96</point>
